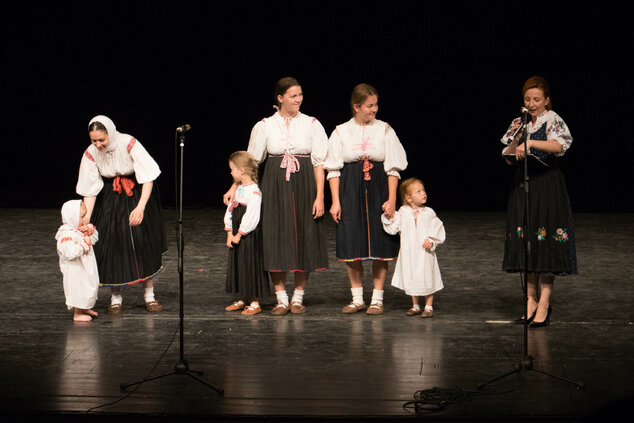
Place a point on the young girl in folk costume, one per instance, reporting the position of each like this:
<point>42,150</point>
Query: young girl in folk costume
<point>77,260</point>
<point>245,271</point>
<point>416,271</point>
<point>116,179</point>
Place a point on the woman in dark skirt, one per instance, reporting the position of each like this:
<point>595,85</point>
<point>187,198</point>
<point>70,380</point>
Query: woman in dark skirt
<point>551,233</point>
<point>294,146</point>
<point>116,179</point>
<point>364,160</point>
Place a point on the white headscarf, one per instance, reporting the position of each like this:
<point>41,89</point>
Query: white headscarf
<point>71,213</point>
<point>110,128</point>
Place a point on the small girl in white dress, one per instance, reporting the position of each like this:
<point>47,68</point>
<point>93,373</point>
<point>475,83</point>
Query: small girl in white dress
<point>416,271</point>
<point>75,239</point>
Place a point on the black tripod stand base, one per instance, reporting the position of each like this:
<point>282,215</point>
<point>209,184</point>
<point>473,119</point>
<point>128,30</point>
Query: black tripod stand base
<point>526,364</point>
<point>181,368</point>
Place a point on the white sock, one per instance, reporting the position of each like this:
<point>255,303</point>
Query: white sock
<point>429,308</point>
<point>116,298</point>
<point>298,296</point>
<point>357,295</point>
<point>416,306</point>
<point>282,297</point>
<point>377,296</point>
<point>149,295</point>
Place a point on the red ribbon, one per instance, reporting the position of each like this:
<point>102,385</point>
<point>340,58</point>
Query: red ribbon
<point>125,182</point>
<point>366,168</point>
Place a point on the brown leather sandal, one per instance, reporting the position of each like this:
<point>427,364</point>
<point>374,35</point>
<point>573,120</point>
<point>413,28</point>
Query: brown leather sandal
<point>114,309</point>
<point>153,306</point>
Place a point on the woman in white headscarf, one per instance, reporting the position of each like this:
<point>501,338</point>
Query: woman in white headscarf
<point>116,179</point>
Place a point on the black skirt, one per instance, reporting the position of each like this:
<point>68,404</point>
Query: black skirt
<point>128,254</point>
<point>246,276</point>
<point>293,240</point>
<point>360,234</point>
<point>551,232</point>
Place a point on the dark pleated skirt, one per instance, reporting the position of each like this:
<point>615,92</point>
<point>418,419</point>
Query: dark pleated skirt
<point>551,232</point>
<point>128,254</point>
<point>246,276</point>
<point>360,234</point>
<point>293,240</point>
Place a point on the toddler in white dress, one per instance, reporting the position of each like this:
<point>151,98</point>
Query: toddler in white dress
<point>77,262</point>
<point>416,271</point>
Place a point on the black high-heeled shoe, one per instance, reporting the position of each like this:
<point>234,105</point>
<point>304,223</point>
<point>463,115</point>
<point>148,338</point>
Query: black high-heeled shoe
<point>520,321</point>
<point>535,324</point>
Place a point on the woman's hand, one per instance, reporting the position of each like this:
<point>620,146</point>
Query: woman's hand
<point>229,237</point>
<point>427,244</point>
<point>519,151</point>
<point>335,211</point>
<point>389,207</point>
<point>228,197</point>
<point>318,208</point>
<point>136,217</point>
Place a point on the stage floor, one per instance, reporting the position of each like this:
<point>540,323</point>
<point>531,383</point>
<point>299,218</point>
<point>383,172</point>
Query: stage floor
<point>323,364</point>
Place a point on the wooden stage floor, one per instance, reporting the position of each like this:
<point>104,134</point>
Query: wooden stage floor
<point>322,365</point>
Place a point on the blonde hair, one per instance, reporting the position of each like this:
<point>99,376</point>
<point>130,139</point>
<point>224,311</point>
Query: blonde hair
<point>246,161</point>
<point>405,188</point>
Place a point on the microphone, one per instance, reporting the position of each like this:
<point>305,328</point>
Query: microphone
<point>183,128</point>
<point>524,121</point>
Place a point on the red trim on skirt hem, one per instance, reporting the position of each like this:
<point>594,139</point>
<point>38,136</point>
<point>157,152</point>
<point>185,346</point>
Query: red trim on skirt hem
<point>147,278</point>
<point>298,270</point>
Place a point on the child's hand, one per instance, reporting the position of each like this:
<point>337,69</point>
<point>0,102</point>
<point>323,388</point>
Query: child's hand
<point>428,245</point>
<point>236,238</point>
<point>229,237</point>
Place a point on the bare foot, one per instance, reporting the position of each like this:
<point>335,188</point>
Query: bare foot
<point>83,315</point>
<point>82,318</point>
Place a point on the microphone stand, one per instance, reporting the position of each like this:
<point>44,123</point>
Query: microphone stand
<point>526,362</point>
<point>182,366</point>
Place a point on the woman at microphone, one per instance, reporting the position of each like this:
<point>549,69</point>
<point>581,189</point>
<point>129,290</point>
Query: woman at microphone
<point>551,233</point>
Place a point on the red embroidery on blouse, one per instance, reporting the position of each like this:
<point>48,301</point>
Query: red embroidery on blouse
<point>257,193</point>
<point>65,239</point>
<point>131,144</point>
<point>89,156</point>
<point>314,119</point>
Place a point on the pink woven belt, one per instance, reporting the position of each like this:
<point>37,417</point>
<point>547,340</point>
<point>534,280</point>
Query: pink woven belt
<point>290,163</point>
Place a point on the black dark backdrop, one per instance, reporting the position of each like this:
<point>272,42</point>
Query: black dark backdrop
<point>449,74</point>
